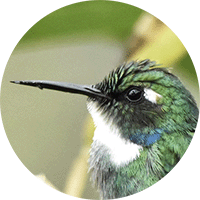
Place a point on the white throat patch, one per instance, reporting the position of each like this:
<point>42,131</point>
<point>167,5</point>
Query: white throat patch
<point>121,151</point>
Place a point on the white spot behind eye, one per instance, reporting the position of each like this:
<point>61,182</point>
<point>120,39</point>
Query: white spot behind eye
<point>150,95</point>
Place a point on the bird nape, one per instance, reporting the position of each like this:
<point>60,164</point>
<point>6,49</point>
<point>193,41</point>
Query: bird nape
<point>145,119</point>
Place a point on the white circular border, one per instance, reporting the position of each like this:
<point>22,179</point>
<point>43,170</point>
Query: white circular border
<point>19,16</point>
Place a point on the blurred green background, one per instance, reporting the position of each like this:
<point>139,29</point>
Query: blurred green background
<point>51,131</point>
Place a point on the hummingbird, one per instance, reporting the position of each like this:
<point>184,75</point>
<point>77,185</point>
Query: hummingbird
<point>145,119</point>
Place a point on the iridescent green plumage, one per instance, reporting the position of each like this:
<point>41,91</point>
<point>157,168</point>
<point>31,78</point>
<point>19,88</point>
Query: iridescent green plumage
<point>174,114</point>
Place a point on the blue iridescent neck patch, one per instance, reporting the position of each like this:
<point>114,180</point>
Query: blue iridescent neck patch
<point>147,139</point>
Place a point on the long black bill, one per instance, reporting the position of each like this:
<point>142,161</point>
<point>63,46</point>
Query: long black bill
<point>64,87</point>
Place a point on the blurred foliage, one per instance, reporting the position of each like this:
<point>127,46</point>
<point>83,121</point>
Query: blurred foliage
<point>90,17</point>
<point>143,35</point>
<point>75,183</point>
<point>152,39</point>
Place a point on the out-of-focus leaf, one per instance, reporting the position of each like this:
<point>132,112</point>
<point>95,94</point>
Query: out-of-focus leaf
<point>152,39</point>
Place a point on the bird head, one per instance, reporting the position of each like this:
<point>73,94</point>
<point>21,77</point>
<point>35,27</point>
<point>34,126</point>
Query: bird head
<point>144,101</point>
<point>139,99</point>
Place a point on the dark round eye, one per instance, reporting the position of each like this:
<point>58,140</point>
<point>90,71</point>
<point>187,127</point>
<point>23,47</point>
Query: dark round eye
<point>134,95</point>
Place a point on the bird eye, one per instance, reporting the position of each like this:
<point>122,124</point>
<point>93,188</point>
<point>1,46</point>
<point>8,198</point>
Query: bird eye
<point>134,95</point>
